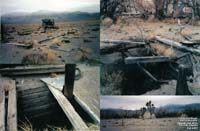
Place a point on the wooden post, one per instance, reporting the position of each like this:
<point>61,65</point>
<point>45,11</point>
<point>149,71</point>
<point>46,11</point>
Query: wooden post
<point>69,80</point>
<point>2,33</point>
<point>182,86</point>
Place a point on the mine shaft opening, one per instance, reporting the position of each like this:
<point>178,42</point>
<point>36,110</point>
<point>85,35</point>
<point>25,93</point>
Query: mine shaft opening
<point>54,118</point>
<point>39,120</point>
<point>135,81</point>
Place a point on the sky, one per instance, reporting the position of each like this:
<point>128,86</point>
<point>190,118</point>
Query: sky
<point>8,6</point>
<point>136,102</point>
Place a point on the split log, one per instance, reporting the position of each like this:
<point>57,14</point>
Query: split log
<point>123,42</point>
<point>178,45</point>
<point>147,59</point>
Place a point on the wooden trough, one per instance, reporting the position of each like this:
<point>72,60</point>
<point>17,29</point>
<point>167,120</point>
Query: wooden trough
<point>38,99</point>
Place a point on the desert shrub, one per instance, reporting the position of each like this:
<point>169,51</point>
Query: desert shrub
<point>111,82</point>
<point>162,113</point>
<point>35,58</point>
<point>43,56</point>
<point>118,114</point>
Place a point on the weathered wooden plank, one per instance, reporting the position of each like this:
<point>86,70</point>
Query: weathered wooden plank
<point>30,70</point>
<point>33,109</point>
<point>2,108</point>
<point>87,109</point>
<point>177,45</point>
<point>41,67</point>
<point>147,59</point>
<point>25,72</point>
<point>68,109</point>
<point>35,100</point>
<point>30,86</point>
<point>31,91</point>
<point>35,95</point>
<point>21,45</point>
<point>12,107</point>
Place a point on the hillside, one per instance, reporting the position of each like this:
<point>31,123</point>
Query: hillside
<point>36,17</point>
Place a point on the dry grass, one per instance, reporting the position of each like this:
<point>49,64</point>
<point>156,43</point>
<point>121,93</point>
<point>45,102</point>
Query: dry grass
<point>107,22</point>
<point>53,75</point>
<point>163,50</point>
<point>43,55</point>
<point>112,83</point>
<point>56,41</point>
<point>51,56</point>
<point>186,32</point>
<point>83,54</point>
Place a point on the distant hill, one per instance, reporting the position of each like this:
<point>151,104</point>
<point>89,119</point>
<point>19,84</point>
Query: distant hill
<point>175,108</point>
<point>120,113</point>
<point>36,17</point>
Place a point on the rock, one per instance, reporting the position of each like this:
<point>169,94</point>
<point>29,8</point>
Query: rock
<point>107,21</point>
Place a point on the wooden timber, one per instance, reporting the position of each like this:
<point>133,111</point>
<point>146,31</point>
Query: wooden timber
<point>31,70</point>
<point>8,114</point>
<point>2,108</point>
<point>178,45</point>
<point>68,109</point>
<point>123,42</point>
<point>12,107</point>
<point>147,59</point>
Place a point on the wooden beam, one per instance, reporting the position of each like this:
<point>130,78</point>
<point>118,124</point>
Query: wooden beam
<point>178,45</point>
<point>68,87</point>
<point>147,73</point>
<point>12,107</point>
<point>29,70</point>
<point>123,42</point>
<point>147,59</point>
<point>68,109</point>
<point>2,108</point>
<point>110,48</point>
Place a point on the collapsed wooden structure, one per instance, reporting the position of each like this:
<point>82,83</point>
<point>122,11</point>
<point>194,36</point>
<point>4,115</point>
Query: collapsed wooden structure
<point>181,69</point>
<point>39,99</point>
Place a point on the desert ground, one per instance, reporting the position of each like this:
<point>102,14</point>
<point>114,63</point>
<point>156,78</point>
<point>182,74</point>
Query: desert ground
<point>71,42</point>
<point>161,124</point>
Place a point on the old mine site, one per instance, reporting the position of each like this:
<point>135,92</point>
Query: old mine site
<point>41,39</point>
<point>155,44</point>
